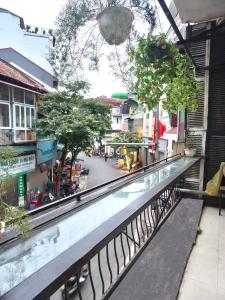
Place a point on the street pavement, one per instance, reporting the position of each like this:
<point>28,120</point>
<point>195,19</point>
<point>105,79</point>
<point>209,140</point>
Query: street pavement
<point>100,170</point>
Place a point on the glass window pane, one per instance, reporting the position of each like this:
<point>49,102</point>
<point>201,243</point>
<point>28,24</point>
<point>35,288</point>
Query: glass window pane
<point>29,98</point>
<point>32,117</point>
<point>31,135</point>
<point>28,117</point>
<point>22,116</point>
<point>18,95</point>
<point>20,135</point>
<point>4,92</point>
<point>4,115</point>
<point>17,116</point>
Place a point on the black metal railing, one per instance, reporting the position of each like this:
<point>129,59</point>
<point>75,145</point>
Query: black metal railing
<point>108,265</point>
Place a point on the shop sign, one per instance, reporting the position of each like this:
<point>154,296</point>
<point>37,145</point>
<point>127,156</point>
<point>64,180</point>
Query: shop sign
<point>21,201</point>
<point>21,165</point>
<point>21,185</point>
<point>46,150</point>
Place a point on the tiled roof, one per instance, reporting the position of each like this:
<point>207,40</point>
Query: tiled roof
<point>112,101</point>
<point>11,72</point>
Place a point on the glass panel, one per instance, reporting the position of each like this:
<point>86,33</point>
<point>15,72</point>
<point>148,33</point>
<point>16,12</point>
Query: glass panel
<point>32,117</point>
<point>4,92</point>
<point>31,135</point>
<point>28,125</point>
<point>4,115</point>
<point>19,261</point>
<point>20,135</point>
<point>29,98</point>
<point>22,116</point>
<point>17,116</point>
<point>18,95</point>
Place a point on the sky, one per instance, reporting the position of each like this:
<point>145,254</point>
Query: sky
<point>42,13</point>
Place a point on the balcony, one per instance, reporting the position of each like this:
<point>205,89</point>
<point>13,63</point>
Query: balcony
<point>138,225</point>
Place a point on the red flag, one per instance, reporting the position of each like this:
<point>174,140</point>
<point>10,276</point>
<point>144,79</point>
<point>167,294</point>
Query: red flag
<point>161,128</point>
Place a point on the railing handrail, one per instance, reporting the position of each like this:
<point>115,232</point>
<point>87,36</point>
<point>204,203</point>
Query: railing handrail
<point>94,188</point>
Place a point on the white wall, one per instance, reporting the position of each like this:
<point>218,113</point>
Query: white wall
<point>116,123</point>
<point>115,111</point>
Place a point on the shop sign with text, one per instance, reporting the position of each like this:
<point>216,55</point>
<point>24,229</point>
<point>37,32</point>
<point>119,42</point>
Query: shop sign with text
<point>20,165</point>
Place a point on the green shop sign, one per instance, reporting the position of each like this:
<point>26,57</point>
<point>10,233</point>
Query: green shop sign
<point>21,165</point>
<point>21,185</point>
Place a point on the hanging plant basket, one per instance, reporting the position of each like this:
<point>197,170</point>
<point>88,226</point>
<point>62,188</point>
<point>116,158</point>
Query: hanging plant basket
<point>115,24</point>
<point>163,74</point>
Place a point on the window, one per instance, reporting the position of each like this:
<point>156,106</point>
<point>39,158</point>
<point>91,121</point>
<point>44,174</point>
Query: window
<point>24,122</point>
<point>29,98</point>
<point>30,117</point>
<point>24,114</point>
<point>4,92</point>
<point>18,95</point>
<point>4,115</point>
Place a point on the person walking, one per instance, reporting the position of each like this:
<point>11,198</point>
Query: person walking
<point>106,157</point>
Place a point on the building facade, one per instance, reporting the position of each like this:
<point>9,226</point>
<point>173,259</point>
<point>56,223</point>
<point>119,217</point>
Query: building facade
<point>19,95</point>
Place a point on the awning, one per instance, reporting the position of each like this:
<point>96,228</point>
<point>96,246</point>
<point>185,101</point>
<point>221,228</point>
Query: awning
<point>120,95</point>
<point>197,11</point>
<point>19,148</point>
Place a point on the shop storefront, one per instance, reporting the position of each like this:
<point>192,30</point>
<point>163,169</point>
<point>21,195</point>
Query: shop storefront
<point>40,180</point>
<point>17,173</point>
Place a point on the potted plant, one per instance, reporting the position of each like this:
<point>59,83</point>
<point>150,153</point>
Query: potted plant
<point>9,216</point>
<point>36,30</point>
<point>28,28</point>
<point>115,19</point>
<point>163,73</point>
<point>189,149</point>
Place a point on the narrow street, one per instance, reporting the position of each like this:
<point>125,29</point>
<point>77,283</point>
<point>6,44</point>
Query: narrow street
<point>100,170</point>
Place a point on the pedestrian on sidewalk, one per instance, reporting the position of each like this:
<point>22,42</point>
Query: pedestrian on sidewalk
<point>106,157</point>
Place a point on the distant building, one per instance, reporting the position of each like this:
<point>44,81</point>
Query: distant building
<point>26,47</point>
<point>18,97</point>
<point>29,67</point>
<point>116,116</point>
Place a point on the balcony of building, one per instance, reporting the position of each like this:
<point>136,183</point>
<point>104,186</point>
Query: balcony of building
<point>146,240</point>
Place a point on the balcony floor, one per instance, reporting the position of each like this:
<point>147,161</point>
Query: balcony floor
<point>204,277</point>
<point>158,271</point>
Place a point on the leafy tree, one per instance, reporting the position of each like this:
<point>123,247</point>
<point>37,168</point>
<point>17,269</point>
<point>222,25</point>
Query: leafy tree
<point>126,137</point>
<point>162,72</point>
<point>10,216</point>
<point>74,121</point>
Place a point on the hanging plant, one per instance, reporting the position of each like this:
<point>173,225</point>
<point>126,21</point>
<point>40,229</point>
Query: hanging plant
<point>163,73</point>
<point>83,27</point>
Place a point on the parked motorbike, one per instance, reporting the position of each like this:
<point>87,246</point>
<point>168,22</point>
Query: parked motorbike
<point>71,285</point>
<point>68,189</point>
<point>84,171</point>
